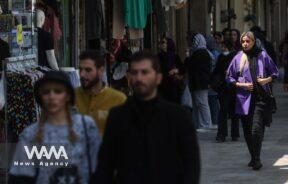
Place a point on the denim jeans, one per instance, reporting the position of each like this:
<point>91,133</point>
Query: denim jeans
<point>201,109</point>
<point>214,108</point>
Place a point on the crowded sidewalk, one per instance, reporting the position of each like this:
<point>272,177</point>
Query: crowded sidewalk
<point>226,162</point>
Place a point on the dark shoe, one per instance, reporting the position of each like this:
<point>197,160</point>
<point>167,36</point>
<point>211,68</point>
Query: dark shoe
<point>251,163</point>
<point>234,139</point>
<point>220,139</point>
<point>257,165</point>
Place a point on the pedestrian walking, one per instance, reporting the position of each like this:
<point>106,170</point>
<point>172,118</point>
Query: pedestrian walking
<point>283,48</point>
<point>198,66</point>
<point>235,37</point>
<point>213,100</point>
<point>58,126</point>
<point>172,69</point>
<point>218,38</point>
<point>226,94</point>
<point>267,45</point>
<point>148,140</point>
<point>93,97</point>
<point>252,72</point>
<point>226,32</point>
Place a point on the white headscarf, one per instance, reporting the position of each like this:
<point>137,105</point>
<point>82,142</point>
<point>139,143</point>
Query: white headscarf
<point>198,42</point>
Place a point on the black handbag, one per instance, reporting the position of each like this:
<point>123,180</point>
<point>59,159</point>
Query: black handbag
<point>270,97</point>
<point>272,100</point>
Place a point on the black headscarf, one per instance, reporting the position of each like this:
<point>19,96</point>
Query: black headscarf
<point>256,49</point>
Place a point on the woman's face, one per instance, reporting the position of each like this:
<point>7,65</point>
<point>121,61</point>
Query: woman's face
<point>234,36</point>
<point>218,39</point>
<point>227,35</point>
<point>54,97</point>
<point>163,45</point>
<point>247,43</point>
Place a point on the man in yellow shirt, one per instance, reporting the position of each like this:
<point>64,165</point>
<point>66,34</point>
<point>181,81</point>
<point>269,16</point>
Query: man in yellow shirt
<point>93,97</point>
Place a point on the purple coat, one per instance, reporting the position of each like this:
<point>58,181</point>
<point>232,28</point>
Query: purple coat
<point>266,68</point>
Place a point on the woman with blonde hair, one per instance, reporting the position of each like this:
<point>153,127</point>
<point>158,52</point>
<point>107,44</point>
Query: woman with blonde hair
<point>58,127</point>
<point>251,72</point>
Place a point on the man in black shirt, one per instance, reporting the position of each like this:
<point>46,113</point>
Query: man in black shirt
<point>148,140</point>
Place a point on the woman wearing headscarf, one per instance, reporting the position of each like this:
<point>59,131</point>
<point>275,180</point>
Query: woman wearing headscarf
<point>251,72</point>
<point>235,37</point>
<point>58,127</point>
<point>199,69</point>
<point>172,69</point>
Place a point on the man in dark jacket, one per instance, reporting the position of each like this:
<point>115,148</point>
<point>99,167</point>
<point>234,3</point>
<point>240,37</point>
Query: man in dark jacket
<point>148,140</point>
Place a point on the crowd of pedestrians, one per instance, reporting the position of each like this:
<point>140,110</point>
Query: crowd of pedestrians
<point>149,134</point>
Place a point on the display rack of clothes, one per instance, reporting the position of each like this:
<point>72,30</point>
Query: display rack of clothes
<point>21,110</point>
<point>73,75</point>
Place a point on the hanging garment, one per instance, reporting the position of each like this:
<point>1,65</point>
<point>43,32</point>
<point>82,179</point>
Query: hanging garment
<point>94,20</point>
<point>21,106</point>
<point>136,13</point>
<point>136,34</point>
<point>51,24</point>
<point>173,3</point>
<point>45,43</point>
<point>2,92</point>
<point>75,81</point>
<point>118,28</point>
<point>160,17</point>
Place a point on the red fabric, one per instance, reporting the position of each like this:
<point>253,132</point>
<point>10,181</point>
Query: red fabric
<point>52,24</point>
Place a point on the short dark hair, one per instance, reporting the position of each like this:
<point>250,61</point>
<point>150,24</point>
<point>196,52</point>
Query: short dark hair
<point>217,33</point>
<point>96,56</point>
<point>225,30</point>
<point>146,55</point>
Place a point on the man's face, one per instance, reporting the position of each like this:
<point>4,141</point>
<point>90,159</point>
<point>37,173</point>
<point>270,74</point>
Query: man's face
<point>144,79</point>
<point>89,74</point>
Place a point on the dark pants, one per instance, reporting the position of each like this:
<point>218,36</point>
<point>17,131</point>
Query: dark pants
<point>254,128</point>
<point>226,104</point>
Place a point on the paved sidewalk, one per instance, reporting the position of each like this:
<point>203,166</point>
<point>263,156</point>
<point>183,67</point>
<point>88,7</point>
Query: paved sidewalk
<point>226,163</point>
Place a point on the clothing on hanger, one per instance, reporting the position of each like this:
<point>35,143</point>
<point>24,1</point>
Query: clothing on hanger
<point>94,20</point>
<point>136,13</point>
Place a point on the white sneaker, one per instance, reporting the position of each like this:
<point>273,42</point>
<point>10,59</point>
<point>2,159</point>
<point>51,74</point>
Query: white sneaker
<point>214,127</point>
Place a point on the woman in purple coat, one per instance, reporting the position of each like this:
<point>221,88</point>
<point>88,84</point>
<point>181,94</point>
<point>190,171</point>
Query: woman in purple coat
<point>252,71</point>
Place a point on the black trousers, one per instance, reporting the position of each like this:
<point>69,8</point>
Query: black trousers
<point>226,104</point>
<point>254,127</point>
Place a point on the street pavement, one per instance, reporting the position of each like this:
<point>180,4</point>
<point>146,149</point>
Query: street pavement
<point>226,163</point>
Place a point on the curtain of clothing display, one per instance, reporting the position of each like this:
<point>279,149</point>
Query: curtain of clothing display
<point>94,20</point>
<point>21,106</point>
<point>132,14</point>
<point>74,78</point>
<point>136,13</point>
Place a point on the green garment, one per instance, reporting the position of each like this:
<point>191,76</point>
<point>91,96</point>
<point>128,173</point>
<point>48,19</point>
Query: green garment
<point>136,12</point>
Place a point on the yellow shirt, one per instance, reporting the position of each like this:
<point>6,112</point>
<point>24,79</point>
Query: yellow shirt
<point>98,106</point>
